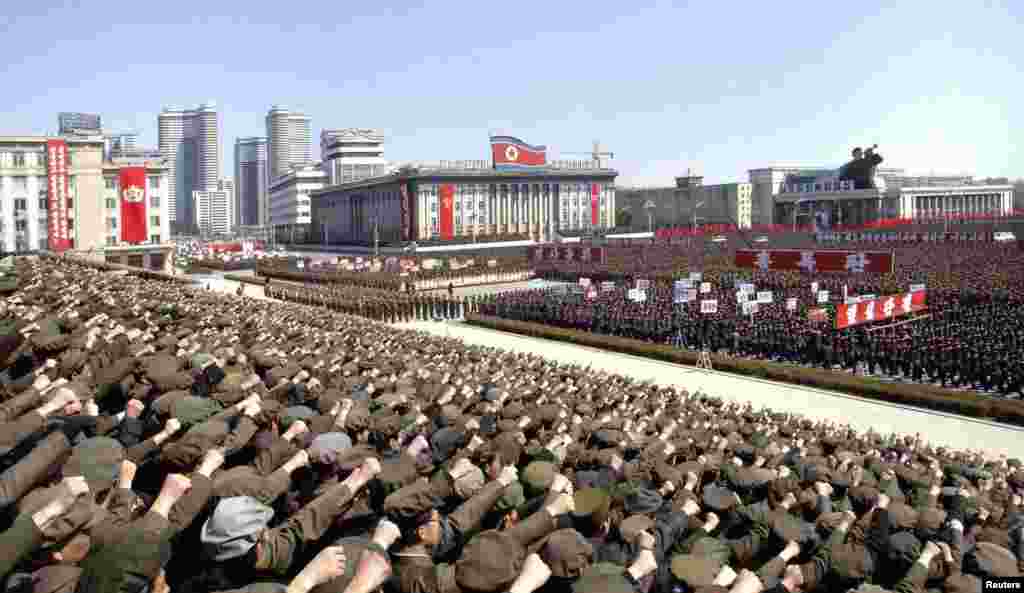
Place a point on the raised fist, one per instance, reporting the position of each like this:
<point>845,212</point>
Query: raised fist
<point>172,426</point>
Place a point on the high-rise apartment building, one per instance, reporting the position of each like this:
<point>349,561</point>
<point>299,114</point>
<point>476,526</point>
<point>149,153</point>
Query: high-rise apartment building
<point>251,208</point>
<point>289,141</point>
<point>214,209</point>
<point>352,154</point>
<point>190,141</point>
<point>119,145</point>
<point>70,122</point>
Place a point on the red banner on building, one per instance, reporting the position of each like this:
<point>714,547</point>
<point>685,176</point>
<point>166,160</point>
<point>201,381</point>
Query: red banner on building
<point>577,253</point>
<point>595,204</point>
<point>407,220</point>
<point>888,307</point>
<point>57,196</point>
<point>133,204</point>
<point>447,211</point>
<point>871,262</point>
<point>534,253</point>
<point>598,254</point>
<point>563,253</point>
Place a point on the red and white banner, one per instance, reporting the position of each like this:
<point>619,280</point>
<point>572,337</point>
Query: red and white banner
<point>871,262</point>
<point>57,195</point>
<point>595,204</point>
<point>407,212</point>
<point>510,152</point>
<point>447,222</point>
<point>887,307</point>
<point>133,204</point>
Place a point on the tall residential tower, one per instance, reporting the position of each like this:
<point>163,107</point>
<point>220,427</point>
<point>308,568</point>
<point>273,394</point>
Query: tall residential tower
<point>289,141</point>
<point>190,141</point>
<point>251,206</point>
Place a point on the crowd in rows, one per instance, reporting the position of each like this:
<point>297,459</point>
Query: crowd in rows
<point>158,437</point>
<point>971,336</point>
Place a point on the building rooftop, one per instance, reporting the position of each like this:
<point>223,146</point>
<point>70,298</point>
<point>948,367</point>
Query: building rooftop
<point>408,172</point>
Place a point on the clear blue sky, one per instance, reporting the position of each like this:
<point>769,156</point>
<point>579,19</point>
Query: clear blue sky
<point>716,86</point>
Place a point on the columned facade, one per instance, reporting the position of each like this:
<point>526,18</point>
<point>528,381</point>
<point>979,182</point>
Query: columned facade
<point>485,205</point>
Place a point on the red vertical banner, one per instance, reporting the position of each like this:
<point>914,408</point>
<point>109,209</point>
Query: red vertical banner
<point>132,184</point>
<point>447,196</point>
<point>403,189</point>
<point>56,196</point>
<point>595,204</point>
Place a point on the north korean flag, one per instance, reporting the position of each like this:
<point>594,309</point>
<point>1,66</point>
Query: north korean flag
<point>509,152</point>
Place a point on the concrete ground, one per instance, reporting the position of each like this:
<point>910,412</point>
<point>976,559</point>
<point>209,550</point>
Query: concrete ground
<point>936,428</point>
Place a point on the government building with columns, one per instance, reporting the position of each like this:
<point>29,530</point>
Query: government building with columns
<point>465,200</point>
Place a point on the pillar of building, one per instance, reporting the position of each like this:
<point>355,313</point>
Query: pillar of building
<point>147,261</point>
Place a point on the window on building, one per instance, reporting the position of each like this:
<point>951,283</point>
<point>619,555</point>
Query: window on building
<point>42,204</point>
<point>110,182</point>
<point>154,182</point>
<point>154,221</point>
<point>111,223</point>
<point>21,225</point>
<point>19,159</point>
<point>154,238</point>
<point>20,184</point>
<point>71,204</point>
<point>20,204</point>
<point>111,203</point>
<point>67,158</point>
<point>111,241</point>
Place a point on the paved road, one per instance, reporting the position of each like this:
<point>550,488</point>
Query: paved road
<point>936,427</point>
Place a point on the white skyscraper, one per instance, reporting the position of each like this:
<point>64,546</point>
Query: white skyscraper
<point>289,141</point>
<point>190,140</point>
<point>214,208</point>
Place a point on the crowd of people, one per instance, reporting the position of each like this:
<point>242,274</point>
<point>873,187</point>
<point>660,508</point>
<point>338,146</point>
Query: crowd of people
<point>376,304</point>
<point>970,338</point>
<point>157,437</point>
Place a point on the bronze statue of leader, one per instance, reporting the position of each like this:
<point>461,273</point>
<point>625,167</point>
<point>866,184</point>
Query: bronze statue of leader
<point>861,170</point>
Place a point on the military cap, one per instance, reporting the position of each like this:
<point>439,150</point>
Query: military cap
<point>511,498</point>
<point>990,560</point>
<point>98,460</point>
<point>696,571</point>
<point>191,410</point>
<point>711,547</point>
<point>538,476</point>
<point>633,525</point>
<point>567,553</point>
<point>902,516</point>
<point>642,500</point>
<point>603,577</point>
<point>490,562</point>
<point>592,504</point>
<point>718,499</point>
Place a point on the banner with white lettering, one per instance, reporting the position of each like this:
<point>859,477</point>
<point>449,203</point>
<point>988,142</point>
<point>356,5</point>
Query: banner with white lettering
<point>888,307</point>
<point>791,304</point>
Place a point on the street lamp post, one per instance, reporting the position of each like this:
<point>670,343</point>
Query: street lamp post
<point>697,205</point>
<point>648,206</point>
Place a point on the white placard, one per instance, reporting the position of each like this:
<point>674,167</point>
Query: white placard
<point>709,306</point>
<point>822,296</point>
<point>696,276</point>
<point>791,304</point>
<point>747,288</point>
<point>750,307</point>
<point>765,297</point>
<point>917,287</point>
<point>705,287</point>
<point>814,287</point>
